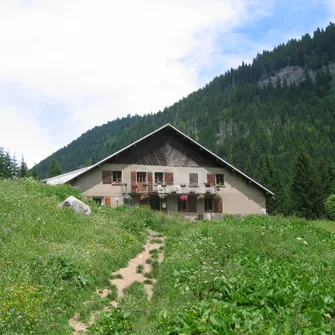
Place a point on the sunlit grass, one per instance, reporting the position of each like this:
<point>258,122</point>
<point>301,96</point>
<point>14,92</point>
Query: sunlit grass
<point>52,259</point>
<point>328,225</point>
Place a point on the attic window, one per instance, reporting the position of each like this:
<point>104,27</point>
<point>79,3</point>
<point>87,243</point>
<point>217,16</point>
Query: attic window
<point>141,177</point>
<point>220,179</point>
<point>117,177</point>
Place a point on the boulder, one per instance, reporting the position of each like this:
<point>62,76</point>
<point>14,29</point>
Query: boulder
<point>76,205</point>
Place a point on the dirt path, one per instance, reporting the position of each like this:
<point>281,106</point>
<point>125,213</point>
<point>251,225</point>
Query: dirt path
<point>138,269</point>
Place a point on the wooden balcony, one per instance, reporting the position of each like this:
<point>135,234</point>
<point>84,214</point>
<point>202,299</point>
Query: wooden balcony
<point>169,189</point>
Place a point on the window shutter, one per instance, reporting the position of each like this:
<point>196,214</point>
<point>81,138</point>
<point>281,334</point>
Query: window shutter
<point>133,180</point>
<point>218,205</point>
<point>168,177</point>
<point>192,204</point>
<point>106,177</point>
<point>88,197</point>
<point>107,201</point>
<point>211,179</point>
<point>150,181</point>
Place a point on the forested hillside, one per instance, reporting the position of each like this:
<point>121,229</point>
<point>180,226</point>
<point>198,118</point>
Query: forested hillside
<point>254,126</point>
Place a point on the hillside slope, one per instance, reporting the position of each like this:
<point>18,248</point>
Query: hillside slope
<point>238,116</point>
<point>52,260</point>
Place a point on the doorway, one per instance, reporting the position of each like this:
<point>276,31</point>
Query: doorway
<point>155,202</point>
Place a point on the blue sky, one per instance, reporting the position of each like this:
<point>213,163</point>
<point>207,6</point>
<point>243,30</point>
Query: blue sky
<point>69,65</point>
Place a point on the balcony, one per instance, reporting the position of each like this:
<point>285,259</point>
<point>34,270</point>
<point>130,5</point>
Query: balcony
<point>170,189</point>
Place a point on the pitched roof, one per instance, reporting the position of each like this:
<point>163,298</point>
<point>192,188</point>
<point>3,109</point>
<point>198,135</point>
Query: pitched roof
<point>64,178</point>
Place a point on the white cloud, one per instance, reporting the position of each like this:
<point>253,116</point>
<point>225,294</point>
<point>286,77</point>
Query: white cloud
<point>104,59</point>
<point>18,132</point>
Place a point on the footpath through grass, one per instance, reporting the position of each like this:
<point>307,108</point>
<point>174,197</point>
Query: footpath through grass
<point>258,275</point>
<point>52,260</point>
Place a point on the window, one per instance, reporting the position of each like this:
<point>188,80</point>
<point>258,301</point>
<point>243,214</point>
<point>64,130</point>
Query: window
<point>106,177</point>
<point>97,200</point>
<point>220,179</point>
<point>182,205</point>
<point>117,176</point>
<point>192,204</point>
<point>141,177</point>
<point>208,204</point>
<point>158,177</point>
<point>193,179</point>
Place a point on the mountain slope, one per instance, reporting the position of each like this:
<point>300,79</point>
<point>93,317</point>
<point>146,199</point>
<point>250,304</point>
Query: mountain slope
<point>238,115</point>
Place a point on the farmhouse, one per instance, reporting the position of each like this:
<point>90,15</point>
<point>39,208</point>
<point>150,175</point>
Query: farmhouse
<point>170,172</point>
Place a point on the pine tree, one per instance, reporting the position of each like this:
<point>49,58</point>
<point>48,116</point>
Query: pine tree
<point>23,168</point>
<point>14,168</point>
<point>2,162</point>
<point>305,190</point>
<point>54,169</point>
<point>33,173</point>
<point>7,165</point>
<point>277,204</point>
<point>271,179</point>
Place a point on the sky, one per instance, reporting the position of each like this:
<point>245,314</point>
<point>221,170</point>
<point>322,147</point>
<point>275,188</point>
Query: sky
<point>67,66</point>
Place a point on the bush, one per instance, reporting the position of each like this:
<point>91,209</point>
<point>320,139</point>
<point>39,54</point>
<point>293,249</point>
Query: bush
<point>330,207</point>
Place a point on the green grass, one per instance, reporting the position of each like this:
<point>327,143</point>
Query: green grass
<point>52,260</point>
<point>328,225</point>
<point>139,268</point>
<point>116,276</point>
<point>248,276</point>
<point>156,240</point>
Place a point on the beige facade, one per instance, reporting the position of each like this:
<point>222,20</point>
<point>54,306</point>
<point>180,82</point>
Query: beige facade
<point>169,171</point>
<point>238,195</point>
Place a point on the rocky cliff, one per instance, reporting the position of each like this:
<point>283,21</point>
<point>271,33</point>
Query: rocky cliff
<point>293,74</point>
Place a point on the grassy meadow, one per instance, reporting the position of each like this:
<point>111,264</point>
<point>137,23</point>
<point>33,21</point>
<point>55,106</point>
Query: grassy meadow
<point>258,275</point>
<point>52,260</point>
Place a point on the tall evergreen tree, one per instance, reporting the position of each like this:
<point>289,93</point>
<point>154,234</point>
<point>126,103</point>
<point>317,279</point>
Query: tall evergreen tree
<point>23,168</point>
<point>14,168</point>
<point>54,169</point>
<point>306,195</point>
<point>33,172</point>
<point>2,162</point>
<point>271,179</point>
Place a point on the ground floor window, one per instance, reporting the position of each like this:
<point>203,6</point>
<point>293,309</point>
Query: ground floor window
<point>189,205</point>
<point>182,205</point>
<point>129,202</point>
<point>209,205</point>
<point>97,200</point>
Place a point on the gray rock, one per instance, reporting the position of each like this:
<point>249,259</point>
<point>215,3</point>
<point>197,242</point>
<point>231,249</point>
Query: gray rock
<point>293,74</point>
<point>76,205</point>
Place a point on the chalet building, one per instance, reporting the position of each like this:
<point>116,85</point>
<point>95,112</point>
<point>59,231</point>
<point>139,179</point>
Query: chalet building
<point>170,172</point>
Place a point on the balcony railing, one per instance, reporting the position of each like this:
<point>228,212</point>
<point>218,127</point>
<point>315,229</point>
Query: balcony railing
<point>170,189</point>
